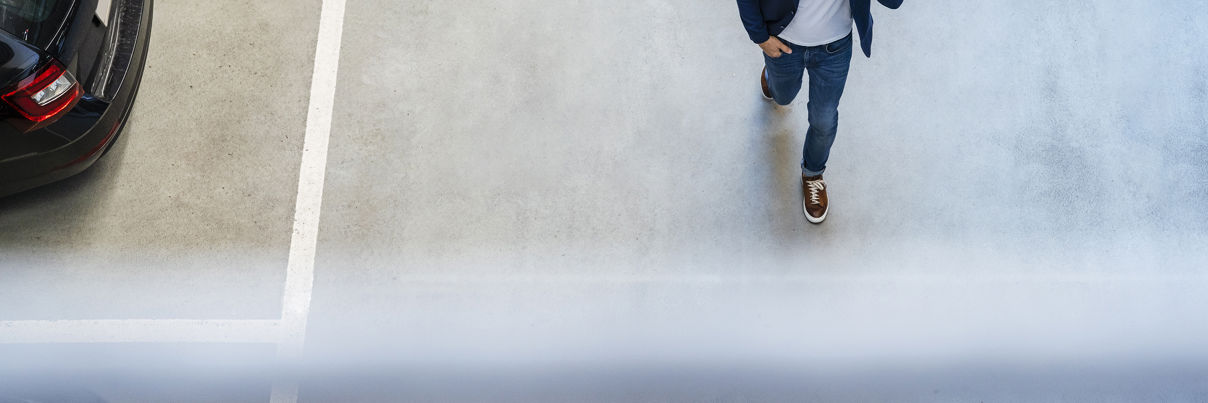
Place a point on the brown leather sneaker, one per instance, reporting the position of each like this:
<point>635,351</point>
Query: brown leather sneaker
<point>763,82</point>
<point>814,203</point>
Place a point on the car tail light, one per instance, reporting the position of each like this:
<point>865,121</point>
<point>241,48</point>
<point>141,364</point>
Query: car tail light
<point>45,94</point>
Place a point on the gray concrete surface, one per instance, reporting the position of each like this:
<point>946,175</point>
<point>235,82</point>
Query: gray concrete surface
<point>544,185</point>
<point>524,187</point>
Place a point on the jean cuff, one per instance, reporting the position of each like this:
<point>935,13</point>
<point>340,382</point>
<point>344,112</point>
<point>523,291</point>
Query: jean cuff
<point>806,172</point>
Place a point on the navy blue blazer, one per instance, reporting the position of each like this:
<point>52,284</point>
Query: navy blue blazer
<point>764,18</point>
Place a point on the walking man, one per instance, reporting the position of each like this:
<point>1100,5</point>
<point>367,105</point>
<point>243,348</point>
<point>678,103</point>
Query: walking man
<point>814,36</point>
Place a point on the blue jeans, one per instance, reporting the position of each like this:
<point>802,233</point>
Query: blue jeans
<point>827,66</point>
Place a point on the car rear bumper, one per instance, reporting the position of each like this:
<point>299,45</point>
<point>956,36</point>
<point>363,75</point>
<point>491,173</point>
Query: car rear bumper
<point>23,173</point>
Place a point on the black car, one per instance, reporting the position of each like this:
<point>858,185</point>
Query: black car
<point>69,71</point>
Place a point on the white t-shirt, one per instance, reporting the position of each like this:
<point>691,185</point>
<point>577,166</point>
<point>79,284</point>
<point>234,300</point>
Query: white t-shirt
<point>819,22</point>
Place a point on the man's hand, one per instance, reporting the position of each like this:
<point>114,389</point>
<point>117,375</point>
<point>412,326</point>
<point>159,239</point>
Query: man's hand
<point>774,48</point>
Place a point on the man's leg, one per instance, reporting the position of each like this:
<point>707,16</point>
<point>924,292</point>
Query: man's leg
<point>828,67</point>
<point>785,74</point>
<point>828,75</point>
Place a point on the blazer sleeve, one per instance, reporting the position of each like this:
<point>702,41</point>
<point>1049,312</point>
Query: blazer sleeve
<point>891,3</point>
<point>752,20</point>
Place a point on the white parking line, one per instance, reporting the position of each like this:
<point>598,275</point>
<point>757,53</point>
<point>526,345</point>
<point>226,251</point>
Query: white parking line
<point>300,270</point>
<point>299,280</point>
<point>140,331</point>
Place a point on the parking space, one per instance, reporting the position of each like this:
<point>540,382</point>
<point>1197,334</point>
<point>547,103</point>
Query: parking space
<point>544,185</point>
<point>189,216</point>
<point>523,187</point>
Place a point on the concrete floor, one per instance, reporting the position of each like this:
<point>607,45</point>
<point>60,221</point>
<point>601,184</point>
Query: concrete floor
<point>527,187</point>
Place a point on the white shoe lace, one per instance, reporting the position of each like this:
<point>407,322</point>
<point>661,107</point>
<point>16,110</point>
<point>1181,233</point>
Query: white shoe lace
<point>815,187</point>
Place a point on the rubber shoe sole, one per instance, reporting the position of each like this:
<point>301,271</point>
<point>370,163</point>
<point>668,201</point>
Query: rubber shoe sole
<point>811,219</point>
